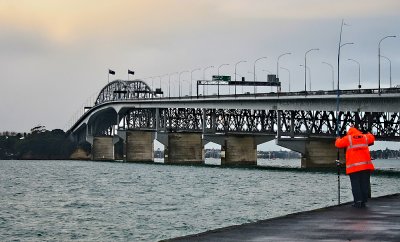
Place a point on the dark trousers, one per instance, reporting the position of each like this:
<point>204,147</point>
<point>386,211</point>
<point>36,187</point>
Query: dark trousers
<point>360,185</point>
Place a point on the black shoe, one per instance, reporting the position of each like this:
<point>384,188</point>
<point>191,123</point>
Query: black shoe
<point>357,204</point>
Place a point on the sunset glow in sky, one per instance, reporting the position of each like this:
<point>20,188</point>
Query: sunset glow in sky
<point>55,54</point>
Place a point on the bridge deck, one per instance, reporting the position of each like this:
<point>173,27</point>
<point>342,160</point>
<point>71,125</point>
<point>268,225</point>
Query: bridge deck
<point>380,221</point>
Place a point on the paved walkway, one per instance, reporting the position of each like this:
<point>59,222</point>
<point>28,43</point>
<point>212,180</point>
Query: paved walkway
<point>380,221</point>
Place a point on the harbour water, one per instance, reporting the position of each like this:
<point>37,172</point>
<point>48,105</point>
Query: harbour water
<point>112,201</point>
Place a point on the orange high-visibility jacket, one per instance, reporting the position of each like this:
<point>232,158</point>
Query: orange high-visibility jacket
<point>358,157</point>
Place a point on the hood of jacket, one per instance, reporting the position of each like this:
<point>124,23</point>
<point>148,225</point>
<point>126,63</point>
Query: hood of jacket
<point>353,131</point>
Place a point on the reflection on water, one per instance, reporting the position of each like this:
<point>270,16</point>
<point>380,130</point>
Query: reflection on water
<point>380,164</point>
<point>109,201</point>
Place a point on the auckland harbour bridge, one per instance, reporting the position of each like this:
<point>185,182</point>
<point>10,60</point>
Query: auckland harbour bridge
<point>132,113</point>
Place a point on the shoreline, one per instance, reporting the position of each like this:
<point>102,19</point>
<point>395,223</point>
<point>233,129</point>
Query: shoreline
<point>331,222</point>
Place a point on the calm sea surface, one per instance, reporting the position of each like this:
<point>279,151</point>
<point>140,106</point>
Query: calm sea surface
<point>111,201</point>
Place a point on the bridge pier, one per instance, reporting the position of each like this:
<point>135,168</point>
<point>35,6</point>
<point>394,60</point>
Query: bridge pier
<point>184,148</point>
<point>239,150</point>
<point>103,148</point>
<point>139,146</point>
<point>315,152</point>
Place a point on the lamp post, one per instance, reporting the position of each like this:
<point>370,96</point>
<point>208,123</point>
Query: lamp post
<point>179,81</point>
<point>204,75</point>
<point>379,61</point>
<point>359,72</point>
<point>390,70</point>
<point>338,74</point>
<point>218,74</point>
<point>160,81</point>
<point>255,72</point>
<point>337,106</point>
<point>235,72</point>
<point>288,71</point>
<point>277,63</point>
<point>309,76</point>
<point>333,74</point>
<point>305,70</point>
<point>169,84</point>
<point>152,81</point>
<point>191,79</point>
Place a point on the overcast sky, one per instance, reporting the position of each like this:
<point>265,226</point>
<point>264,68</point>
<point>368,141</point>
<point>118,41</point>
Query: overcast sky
<point>55,55</point>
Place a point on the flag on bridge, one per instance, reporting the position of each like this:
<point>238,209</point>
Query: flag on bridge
<point>111,72</point>
<point>131,72</point>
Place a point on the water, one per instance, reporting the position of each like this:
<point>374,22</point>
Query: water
<point>108,201</point>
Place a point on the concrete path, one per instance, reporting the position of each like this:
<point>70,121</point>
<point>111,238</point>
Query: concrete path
<point>379,221</point>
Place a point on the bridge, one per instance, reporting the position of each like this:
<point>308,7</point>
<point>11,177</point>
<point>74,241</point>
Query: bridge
<point>132,113</point>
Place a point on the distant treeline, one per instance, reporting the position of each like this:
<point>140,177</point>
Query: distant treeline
<point>216,153</point>
<point>38,144</point>
<point>385,154</point>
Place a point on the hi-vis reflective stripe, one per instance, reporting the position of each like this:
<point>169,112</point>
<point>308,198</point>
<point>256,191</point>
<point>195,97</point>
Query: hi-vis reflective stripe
<point>359,164</point>
<point>351,146</point>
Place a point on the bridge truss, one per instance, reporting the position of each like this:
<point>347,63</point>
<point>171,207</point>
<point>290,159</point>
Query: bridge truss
<point>290,123</point>
<point>123,90</point>
<point>133,114</point>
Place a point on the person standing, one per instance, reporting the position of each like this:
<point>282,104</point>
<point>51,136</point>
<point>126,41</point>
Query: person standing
<point>358,163</point>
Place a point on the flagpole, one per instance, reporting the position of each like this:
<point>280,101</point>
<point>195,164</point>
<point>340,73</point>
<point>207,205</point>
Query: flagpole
<point>110,72</point>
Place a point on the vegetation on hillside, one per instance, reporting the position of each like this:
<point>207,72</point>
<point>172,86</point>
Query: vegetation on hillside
<point>38,144</point>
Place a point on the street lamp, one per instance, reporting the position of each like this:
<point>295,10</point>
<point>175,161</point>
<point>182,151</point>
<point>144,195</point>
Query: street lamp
<point>152,82</point>
<point>191,79</point>
<point>277,63</point>
<point>359,71</point>
<point>218,74</point>
<point>309,76</point>
<point>179,81</point>
<point>204,75</point>
<point>235,72</point>
<point>255,72</point>
<point>333,74</point>
<point>338,74</point>
<point>288,71</point>
<point>305,71</point>
<point>379,61</point>
<point>390,70</point>
<point>160,81</point>
<point>169,84</point>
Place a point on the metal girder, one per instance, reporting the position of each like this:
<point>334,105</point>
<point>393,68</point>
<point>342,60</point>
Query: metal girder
<point>124,90</point>
<point>291,123</point>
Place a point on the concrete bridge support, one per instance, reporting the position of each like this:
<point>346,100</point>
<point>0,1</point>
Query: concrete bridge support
<point>316,152</point>
<point>103,148</point>
<point>139,146</point>
<point>239,150</point>
<point>184,148</point>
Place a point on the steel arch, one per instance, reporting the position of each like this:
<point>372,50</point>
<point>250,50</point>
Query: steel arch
<point>124,90</point>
